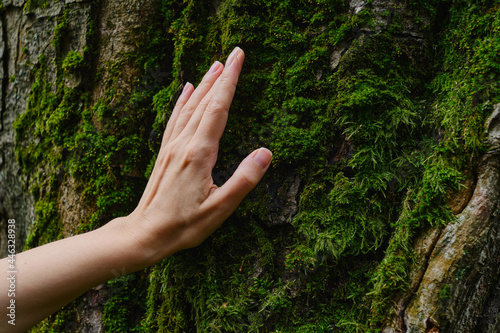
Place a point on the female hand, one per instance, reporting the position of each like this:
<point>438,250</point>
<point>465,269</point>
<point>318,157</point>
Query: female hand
<point>181,205</point>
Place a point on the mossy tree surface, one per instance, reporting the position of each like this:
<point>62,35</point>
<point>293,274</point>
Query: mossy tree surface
<point>379,142</point>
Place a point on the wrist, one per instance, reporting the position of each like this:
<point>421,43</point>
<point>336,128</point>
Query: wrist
<point>143,246</point>
<point>130,245</point>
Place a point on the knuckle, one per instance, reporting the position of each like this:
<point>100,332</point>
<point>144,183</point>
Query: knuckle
<point>227,82</point>
<point>199,152</point>
<point>248,181</point>
<point>186,110</point>
<point>174,145</point>
<point>204,102</point>
<point>173,149</point>
<point>216,107</point>
<point>205,84</point>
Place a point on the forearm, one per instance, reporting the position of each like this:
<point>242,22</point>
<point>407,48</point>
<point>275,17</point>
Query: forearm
<point>180,207</point>
<point>51,276</point>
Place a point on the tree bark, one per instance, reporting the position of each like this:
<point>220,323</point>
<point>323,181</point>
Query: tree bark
<point>380,210</point>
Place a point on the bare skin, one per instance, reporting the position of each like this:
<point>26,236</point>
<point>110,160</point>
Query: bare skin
<point>180,207</point>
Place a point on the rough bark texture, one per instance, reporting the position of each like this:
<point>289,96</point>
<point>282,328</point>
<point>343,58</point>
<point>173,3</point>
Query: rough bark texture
<point>380,211</point>
<point>454,291</point>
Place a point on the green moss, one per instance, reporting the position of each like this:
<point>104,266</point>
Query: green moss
<point>73,62</point>
<point>125,306</point>
<point>61,29</point>
<point>279,81</point>
<point>102,146</point>
<point>379,143</point>
<point>461,105</point>
<point>58,322</point>
<point>48,226</point>
<point>31,5</point>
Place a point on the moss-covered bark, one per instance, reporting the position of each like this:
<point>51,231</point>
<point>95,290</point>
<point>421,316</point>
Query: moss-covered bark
<point>375,114</point>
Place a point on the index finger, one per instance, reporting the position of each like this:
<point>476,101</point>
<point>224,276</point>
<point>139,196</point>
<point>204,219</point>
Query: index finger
<point>214,117</point>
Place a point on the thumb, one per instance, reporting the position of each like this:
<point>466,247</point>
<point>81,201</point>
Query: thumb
<point>245,178</point>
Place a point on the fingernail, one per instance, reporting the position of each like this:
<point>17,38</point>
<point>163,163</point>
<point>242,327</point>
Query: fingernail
<point>263,157</point>
<point>214,67</point>
<point>231,57</point>
<point>185,88</point>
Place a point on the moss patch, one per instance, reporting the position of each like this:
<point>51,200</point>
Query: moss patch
<point>379,141</point>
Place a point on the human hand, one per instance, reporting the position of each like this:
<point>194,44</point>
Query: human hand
<point>181,205</point>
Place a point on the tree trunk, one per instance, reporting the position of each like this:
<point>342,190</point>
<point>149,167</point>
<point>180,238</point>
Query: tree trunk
<point>379,212</point>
